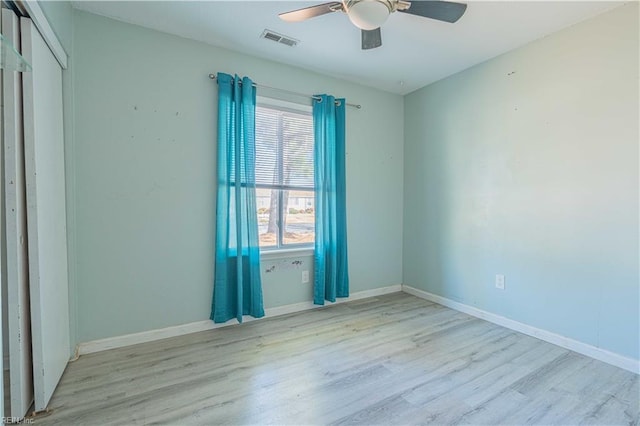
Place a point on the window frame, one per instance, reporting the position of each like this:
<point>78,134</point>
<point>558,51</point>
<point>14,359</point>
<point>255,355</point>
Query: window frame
<point>281,248</point>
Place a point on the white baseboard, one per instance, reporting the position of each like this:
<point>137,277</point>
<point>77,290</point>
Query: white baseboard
<point>304,306</point>
<point>194,327</point>
<point>144,336</point>
<point>603,355</point>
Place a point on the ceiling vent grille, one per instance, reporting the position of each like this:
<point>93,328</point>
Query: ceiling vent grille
<point>279,38</point>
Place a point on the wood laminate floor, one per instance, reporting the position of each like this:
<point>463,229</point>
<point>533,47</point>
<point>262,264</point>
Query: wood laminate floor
<point>394,359</point>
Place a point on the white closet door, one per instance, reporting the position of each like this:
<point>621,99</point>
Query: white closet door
<point>3,278</point>
<point>17,277</point>
<point>46,215</point>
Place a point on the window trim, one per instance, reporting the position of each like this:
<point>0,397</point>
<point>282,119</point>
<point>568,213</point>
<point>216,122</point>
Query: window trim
<point>286,253</point>
<point>286,250</point>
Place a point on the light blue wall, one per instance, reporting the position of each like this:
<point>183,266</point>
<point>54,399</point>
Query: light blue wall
<point>143,171</point>
<point>60,17</point>
<point>527,165</point>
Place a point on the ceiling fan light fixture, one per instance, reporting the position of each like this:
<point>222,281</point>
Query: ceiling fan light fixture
<point>368,14</point>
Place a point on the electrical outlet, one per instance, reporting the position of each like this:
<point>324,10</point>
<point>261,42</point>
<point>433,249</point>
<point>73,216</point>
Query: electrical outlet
<point>500,282</point>
<point>305,277</point>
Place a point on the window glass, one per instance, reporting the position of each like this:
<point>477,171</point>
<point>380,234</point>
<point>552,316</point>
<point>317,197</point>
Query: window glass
<point>284,177</point>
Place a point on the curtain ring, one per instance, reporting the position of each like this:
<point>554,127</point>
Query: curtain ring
<point>338,103</point>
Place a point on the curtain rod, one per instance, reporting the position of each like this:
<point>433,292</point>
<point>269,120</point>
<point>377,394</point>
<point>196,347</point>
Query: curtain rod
<point>358,106</point>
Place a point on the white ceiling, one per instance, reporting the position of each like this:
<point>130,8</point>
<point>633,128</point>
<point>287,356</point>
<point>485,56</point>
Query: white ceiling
<point>415,51</point>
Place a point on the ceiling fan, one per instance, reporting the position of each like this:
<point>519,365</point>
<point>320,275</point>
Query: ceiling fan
<point>369,15</point>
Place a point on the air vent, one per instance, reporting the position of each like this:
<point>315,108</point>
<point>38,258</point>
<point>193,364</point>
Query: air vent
<point>279,38</point>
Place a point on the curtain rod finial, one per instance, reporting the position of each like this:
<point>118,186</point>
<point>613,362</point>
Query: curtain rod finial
<point>212,76</point>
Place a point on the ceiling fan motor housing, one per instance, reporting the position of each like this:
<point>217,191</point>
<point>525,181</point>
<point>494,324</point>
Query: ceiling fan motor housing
<point>369,14</point>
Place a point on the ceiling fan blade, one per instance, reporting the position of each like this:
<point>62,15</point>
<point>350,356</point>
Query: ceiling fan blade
<point>371,39</point>
<point>311,12</point>
<point>440,10</point>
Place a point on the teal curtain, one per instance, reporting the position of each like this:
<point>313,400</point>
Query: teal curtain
<point>331,278</point>
<point>237,288</point>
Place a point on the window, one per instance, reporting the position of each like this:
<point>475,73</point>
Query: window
<point>285,196</point>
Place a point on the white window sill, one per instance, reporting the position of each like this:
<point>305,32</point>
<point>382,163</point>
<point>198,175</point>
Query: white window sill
<point>286,253</point>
